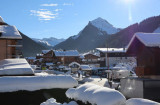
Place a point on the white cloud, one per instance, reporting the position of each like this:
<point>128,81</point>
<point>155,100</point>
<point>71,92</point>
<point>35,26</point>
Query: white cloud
<point>56,10</point>
<point>44,14</point>
<point>49,5</point>
<point>67,4</point>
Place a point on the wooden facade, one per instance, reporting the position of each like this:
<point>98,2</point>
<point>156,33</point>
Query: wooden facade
<point>148,58</point>
<point>10,48</point>
<point>91,58</point>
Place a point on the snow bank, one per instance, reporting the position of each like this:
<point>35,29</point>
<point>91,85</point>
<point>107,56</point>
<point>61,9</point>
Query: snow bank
<point>52,101</point>
<point>32,83</point>
<point>139,101</point>
<point>15,67</point>
<point>95,94</point>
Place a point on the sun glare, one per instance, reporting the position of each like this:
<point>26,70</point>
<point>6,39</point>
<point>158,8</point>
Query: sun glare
<point>128,1</point>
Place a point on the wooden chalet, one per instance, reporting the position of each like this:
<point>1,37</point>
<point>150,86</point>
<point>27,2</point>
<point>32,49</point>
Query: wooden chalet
<point>67,57</point>
<point>63,57</point>
<point>90,58</point>
<point>10,41</point>
<point>146,47</point>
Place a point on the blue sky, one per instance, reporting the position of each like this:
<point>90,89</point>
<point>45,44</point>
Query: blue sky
<point>64,18</point>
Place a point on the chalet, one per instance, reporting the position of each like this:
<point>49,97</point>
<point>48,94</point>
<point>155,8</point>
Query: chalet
<point>48,56</point>
<point>11,41</point>
<point>67,57</point>
<point>90,58</point>
<point>61,56</point>
<point>146,47</point>
<point>112,56</point>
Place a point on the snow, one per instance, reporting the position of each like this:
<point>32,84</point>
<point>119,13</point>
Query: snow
<point>9,32</point>
<point>104,26</point>
<point>15,67</point>
<point>148,39</point>
<point>85,67</point>
<point>111,50</point>
<point>60,53</point>
<point>97,81</point>
<point>74,63</point>
<point>157,30</point>
<point>31,58</point>
<point>139,101</point>
<point>1,19</point>
<point>49,64</point>
<point>32,83</point>
<point>52,101</point>
<point>95,94</point>
<point>49,41</point>
<point>75,37</point>
<point>45,51</point>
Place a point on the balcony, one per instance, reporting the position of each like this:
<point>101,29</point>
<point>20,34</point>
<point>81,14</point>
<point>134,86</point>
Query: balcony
<point>15,45</point>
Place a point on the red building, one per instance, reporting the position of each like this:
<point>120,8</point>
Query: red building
<point>146,47</point>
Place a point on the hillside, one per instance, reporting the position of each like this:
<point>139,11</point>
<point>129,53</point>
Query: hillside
<point>122,38</point>
<point>30,47</point>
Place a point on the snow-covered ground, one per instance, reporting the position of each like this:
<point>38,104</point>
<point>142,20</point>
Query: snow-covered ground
<point>32,83</point>
<point>95,94</point>
<point>52,101</point>
<point>139,101</point>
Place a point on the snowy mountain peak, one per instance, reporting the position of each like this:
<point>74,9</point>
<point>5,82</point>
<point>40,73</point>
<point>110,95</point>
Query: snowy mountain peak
<point>104,25</point>
<point>1,19</point>
<point>49,41</point>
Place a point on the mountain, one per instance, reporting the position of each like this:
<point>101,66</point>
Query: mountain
<point>104,25</point>
<point>92,36</point>
<point>48,42</point>
<point>30,47</point>
<point>122,38</point>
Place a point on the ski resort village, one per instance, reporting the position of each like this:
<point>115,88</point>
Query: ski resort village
<point>101,65</point>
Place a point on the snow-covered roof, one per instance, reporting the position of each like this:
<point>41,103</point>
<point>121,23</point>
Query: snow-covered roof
<point>32,83</point>
<point>148,39</point>
<point>60,53</point>
<point>31,58</point>
<point>74,63</point>
<point>96,95</point>
<point>85,67</point>
<point>45,51</point>
<point>10,32</point>
<point>157,30</point>
<point>111,50</point>
<point>49,64</point>
<point>15,67</point>
<point>1,19</point>
<point>39,54</point>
